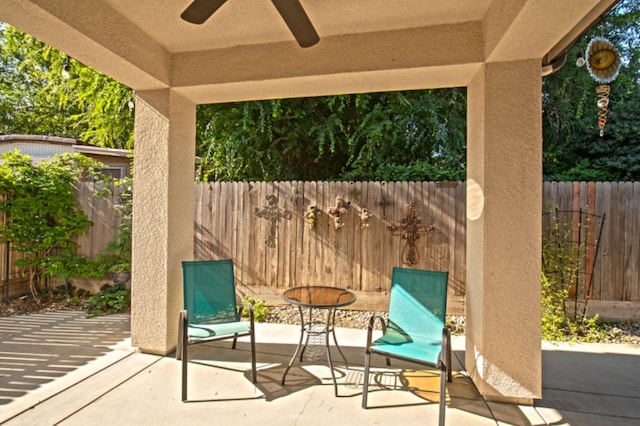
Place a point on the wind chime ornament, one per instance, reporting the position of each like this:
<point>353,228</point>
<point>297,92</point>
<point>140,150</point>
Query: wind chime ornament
<point>603,63</point>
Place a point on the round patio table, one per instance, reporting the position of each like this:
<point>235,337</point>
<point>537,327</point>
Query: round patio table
<point>315,299</point>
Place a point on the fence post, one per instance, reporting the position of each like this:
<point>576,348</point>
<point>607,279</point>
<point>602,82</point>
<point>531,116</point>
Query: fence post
<point>7,265</point>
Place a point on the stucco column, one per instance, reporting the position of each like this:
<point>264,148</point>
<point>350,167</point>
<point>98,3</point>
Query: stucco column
<point>163,210</point>
<point>504,193</point>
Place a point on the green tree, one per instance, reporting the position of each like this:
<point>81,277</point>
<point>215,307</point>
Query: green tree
<point>573,148</point>
<point>41,216</point>
<point>377,136</point>
<point>366,136</point>
<point>44,92</point>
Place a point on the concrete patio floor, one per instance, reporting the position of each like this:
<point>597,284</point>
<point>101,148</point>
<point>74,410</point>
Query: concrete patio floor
<point>63,368</point>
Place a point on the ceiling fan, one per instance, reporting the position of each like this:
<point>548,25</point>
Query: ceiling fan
<point>291,11</point>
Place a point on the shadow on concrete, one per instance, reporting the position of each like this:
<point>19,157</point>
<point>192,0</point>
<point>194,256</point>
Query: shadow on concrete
<point>37,349</point>
<point>63,368</point>
<point>590,387</point>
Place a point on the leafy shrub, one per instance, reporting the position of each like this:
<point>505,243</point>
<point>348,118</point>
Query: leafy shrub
<point>260,308</point>
<point>42,219</point>
<point>111,300</point>
<point>558,326</point>
<point>563,318</point>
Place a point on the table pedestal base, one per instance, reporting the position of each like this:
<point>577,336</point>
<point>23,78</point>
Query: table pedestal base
<point>312,328</point>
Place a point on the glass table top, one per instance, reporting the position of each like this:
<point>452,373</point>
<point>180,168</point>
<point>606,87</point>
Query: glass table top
<point>319,296</point>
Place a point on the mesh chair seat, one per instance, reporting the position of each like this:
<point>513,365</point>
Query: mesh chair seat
<point>427,353</point>
<point>206,331</point>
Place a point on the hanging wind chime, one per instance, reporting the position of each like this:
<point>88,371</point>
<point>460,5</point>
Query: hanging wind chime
<point>603,63</point>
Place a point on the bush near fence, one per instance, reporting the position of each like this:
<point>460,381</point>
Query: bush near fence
<point>100,210</point>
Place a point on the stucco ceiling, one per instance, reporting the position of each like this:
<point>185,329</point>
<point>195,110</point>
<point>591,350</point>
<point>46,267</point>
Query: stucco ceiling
<point>245,50</point>
<point>248,22</point>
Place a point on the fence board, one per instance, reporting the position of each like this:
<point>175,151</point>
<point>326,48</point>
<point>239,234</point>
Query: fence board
<point>601,267</point>
<point>618,219</point>
<point>457,279</point>
<point>391,251</point>
<point>370,243</point>
<point>242,274</point>
<point>609,274</point>
<point>360,233</point>
<point>384,206</point>
<point>632,260</point>
<point>623,198</point>
<point>307,249</point>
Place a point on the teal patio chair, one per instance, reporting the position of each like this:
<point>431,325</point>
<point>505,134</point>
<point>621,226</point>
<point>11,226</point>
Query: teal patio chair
<point>211,311</point>
<point>415,330</point>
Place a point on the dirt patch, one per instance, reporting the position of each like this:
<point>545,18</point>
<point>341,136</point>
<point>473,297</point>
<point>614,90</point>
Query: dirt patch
<point>27,305</point>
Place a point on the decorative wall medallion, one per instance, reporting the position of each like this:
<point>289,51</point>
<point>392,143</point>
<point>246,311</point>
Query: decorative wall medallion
<point>312,215</point>
<point>364,217</point>
<point>336,212</point>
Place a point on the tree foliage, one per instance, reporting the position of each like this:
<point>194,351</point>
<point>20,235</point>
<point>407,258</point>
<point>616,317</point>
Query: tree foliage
<point>44,92</point>
<point>390,136</point>
<point>573,148</point>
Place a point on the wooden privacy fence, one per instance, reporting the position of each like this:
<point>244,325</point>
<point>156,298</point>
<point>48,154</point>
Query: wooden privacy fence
<point>616,275</point>
<point>101,211</point>
<point>263,227</point>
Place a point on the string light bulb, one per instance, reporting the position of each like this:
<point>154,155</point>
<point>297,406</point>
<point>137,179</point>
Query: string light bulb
<point>65,69</point>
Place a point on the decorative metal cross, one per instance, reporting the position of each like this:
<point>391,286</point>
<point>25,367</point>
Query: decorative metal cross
<point>274,215</point>
<point>410,230</point>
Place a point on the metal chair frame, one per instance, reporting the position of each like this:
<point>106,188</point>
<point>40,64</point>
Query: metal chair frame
<point>444,359</point>
<point>184,340</point>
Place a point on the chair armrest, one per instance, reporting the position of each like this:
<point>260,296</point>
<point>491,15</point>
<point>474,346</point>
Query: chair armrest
<point>247,305</point>
<point>372,323</point>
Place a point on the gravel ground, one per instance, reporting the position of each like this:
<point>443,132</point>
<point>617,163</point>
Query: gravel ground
<point>347,318</point>
<point>344,318</point>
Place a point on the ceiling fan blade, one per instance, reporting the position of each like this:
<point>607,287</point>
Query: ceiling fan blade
<point>298,22</point>
<point>200,10</point>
